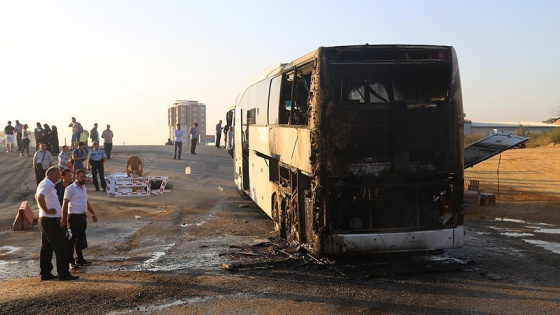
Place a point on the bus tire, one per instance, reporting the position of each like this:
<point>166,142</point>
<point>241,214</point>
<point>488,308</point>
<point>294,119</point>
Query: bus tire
<point>243,194</point>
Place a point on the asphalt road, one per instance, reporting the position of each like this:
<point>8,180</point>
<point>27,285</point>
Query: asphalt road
<point>165,254</point>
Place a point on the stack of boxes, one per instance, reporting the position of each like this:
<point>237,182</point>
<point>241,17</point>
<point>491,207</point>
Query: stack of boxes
<point>487,199</point>
<point>473,197</point>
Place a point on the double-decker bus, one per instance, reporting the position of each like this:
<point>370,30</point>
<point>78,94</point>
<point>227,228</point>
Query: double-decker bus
<point>356,149</point>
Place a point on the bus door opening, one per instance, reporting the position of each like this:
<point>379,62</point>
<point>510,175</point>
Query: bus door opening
<point>250,120</point>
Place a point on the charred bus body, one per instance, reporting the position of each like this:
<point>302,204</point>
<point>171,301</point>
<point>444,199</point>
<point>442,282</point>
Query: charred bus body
<point>356,149</point>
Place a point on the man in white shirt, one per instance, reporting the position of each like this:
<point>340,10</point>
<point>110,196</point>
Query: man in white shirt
<point>52,224</point>
<point>63,161</point>
<point>75,204</point>
<point>178,142</point>
<point>41,161</point>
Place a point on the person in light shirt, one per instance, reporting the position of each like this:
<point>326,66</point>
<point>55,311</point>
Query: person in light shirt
<point>76,204</point>
<point>41,162</point>
<point>178,142</point>
<point>52,223</point>
<point>96,161</point>
<point>107,135</point>
<point>24,140</point>
<point>63,160</point>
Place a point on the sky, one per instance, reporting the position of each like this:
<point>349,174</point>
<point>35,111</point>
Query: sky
<point>124,62</point>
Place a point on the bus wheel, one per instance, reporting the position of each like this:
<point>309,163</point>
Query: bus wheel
<point>241,192</point>
<point>243,195</point>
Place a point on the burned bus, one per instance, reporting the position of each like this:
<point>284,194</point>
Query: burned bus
<point>356,149</point>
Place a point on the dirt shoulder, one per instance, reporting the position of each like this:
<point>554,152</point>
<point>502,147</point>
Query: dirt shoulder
<point>526,183</point>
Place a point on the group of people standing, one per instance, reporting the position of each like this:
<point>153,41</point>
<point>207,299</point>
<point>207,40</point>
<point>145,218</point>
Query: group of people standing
<point>79,134</point>
<point>228,131</point>
<point>179,140</point>
<point>20,134</point>
<point>179,134</point>
<point>63,208</point>
<point>78,156</point>
<point>48,136</point>
<point>63,200</point>
<point>63,204</point>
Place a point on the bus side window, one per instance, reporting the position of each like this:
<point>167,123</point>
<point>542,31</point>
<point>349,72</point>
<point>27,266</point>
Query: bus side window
<point>294,96</point>
<point>285,105</point>
<point>274,101</point>
<point>301,95</point>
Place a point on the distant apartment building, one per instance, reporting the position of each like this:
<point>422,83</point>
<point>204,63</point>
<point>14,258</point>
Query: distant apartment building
<point>186,113</point>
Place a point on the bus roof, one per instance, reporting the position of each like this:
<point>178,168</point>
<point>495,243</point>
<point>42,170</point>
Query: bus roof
<point>312,54</point>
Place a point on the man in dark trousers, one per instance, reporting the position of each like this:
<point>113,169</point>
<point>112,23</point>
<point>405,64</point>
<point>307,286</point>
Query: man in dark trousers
<point>97,158</point>
<point>19,129</point>
<point>75,205</point>
<point>178,142</point>
<point>107,135</point>
<point>41,161</point>
<point>194,137</point>
<point>218,133</point>
<point>94,134</point>
<point>52,224</point>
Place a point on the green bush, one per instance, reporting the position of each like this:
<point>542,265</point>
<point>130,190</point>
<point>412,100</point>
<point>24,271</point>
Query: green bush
<point>543,139</point>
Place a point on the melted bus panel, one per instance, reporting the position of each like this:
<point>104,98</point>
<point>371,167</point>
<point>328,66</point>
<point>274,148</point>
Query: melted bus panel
<point>364,149</point>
